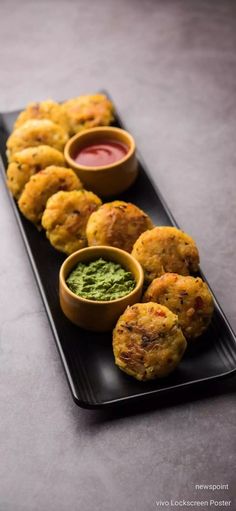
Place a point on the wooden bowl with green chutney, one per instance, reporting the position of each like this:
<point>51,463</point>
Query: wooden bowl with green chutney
<point>96,284</point>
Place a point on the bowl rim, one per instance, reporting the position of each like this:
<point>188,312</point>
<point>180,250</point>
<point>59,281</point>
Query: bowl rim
<point>139,282</point>
<point>112,129</point>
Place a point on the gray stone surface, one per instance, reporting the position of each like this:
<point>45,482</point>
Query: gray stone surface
<point>170,67</point>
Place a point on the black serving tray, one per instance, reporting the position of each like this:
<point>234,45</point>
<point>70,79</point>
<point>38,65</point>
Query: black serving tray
<point>87,357</point>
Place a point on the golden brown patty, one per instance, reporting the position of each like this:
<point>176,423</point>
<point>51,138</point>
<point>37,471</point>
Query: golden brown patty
<point>41,186</point>
<point>118,224</point>
<point>36,132</point>
<point>188,297</point>
<point>44,110</point>
<point>147,341</point>
<point>166,249</point>
<point>29,161</point>
<point>65,219</point>
<point>88,111</point>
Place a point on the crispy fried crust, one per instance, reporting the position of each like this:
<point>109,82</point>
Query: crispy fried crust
<point>44,110</point>
<point>88,111</point>
<point>188,297</point>
<point>118,224</point>
<point>65,219</point>
<point>36,132</point>
<point>166,249</point>
<point>147,341</point>
<point>29,161</point>
<point>41,186</point>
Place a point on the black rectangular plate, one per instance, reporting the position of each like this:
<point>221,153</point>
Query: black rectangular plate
<point>94,380</point>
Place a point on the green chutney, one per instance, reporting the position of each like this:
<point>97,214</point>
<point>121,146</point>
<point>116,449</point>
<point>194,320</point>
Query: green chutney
<point>100,280</point>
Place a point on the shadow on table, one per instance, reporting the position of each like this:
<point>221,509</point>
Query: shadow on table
<point>184,397</point>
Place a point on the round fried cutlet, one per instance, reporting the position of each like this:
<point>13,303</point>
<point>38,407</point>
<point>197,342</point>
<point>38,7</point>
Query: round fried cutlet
<point>29,161</point>
<point>65,219</point>
<point>88,111</point>
<point>166,249</point>
<point>36,132</point>
<point>148,342</point>
<point>188,297</point>
<point>44,110</point>
<point>118,224</point>
<point>41,186</point>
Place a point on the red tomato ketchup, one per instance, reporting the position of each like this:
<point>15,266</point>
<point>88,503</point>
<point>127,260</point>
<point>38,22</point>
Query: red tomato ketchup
<point>102,153</point>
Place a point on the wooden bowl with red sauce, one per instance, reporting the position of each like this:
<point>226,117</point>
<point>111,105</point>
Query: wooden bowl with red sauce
<point>104,159</point>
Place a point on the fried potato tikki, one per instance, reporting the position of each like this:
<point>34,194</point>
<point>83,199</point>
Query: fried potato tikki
<point>166,249</point>
<point>36,132</point>
<point>117,224</point>
<point>65,219</point>
<point>29,161</point>
<point>41,186</point>
<point>88,112</point>
<point>188,297</point>
<point>147,341</point>
<point>44,110</point>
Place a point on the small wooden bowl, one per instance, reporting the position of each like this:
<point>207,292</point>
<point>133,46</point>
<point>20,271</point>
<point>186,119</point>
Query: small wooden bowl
<point>104,180</point>
<point>98,316</point>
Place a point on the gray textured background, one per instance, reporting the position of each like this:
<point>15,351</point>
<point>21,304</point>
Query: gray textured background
<point>170,67</point>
